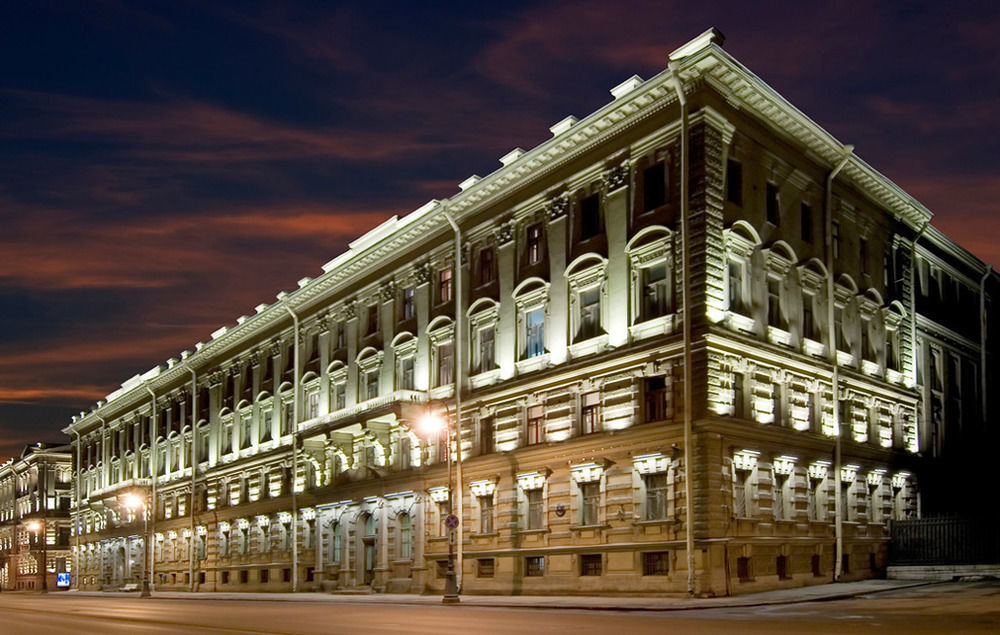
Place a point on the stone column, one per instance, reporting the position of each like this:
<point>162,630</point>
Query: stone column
<point>616,201</point>
<point>506,345</point>
<point>350,323</point>
<point>387,324</point>
<point>421,362</point>
<point>558,324</point>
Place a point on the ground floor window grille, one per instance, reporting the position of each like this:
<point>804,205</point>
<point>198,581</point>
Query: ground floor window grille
<point>534,566</point>
<point>655,563</point>
<point>485,567</point>
<point>590,564</point>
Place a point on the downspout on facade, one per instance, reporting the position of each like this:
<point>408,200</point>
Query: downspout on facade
<point>295,442</point>
<point>194,472</point>
<point>835,380</point>
<point>151,501</point>
<point>459,364</point>
<point>685,295</point>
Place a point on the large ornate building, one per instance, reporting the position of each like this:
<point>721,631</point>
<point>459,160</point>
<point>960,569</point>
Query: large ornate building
<point>35,499</point>
<point>683,333</point>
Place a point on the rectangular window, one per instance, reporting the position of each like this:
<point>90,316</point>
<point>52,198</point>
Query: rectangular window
<point>773,211</point>
<point>656,496</point>
<point>743,569</point>
<point>654,187</point>
<point>371,384</point>
<point>590,564</point>
<point>590,314</point>
<point>816,565</point>
<point>781,565</point>
<point>286,575</point>
<point>740,494</point>
<point>265,576</point>
<point>225,577</point>
<point>341,335</point>
<point>406,373</point>
<point>409,303</point>
<point>735,286</point>
<point>534,243</point>
<point>536,509</point>
<point>656,296</point>
<point>535,425</point>
<point>244,576</point>
<point>590,216</point>
<point>734,182</point>
<point>486,435</point>
<point>808,321</point>
<point>534,566</point>
<point>774,302</point>
<point>371,326</point>
<point>340,395</point>
<point>486,274</point>
<point>534,322</point>
<point>590,497</point>
<point>487,349</point>
<point>590,413</point>
<point>656,563</point>
<point>444,286</point>
<point>815,512</point>
<point>446,364</point>
<point>486,514</point>
<point>777,408</point>
<point>485,567</point>
<point>312,405</point>
<point>657,398</point>
<point>739,402</point>
<point>778,497</point>
<point>807,222</point>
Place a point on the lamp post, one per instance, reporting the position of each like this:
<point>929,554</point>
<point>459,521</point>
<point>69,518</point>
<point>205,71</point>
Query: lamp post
<point>432,424</point>
<point>38,527</point>
<point>135,502</point>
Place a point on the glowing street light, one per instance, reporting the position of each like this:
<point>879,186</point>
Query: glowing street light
<point>134,502</point>
<point>38,527</point>
<point>432,425</point>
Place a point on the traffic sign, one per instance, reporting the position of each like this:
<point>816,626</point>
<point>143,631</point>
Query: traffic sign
<point>451,522</point>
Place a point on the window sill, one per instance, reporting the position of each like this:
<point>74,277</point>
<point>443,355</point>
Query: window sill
<point>589,346</point>
<point>491,534</point>
<point>485,378</point>
<point>589,527</point>
<point>656,522</point>
<point>532,364</point>
<point>652,327</point>
<point>530,532</point>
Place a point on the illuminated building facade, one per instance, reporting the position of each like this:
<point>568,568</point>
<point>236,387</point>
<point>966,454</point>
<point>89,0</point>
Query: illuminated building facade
<point>687,360</point>
<point>35,499</point>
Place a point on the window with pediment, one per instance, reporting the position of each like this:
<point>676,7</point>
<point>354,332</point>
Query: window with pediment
<point>483,319</point>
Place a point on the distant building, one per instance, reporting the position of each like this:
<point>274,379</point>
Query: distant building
<point>35,499</point>
<point>600,439</point>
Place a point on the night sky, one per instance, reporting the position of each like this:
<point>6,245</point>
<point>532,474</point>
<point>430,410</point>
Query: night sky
<point>167,166</point>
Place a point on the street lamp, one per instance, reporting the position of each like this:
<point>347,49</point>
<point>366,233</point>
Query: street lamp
<point>38,527</point>
<point>431,424</point>
<point>135,502</point>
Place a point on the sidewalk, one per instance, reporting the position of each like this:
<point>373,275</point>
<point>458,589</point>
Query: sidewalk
<point>817,593</point>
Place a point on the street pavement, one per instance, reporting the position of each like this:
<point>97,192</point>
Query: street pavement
<point>815,593</point>
<point>865,607</point>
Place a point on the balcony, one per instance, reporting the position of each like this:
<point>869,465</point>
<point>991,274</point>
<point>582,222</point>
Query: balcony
<point>399,402</point>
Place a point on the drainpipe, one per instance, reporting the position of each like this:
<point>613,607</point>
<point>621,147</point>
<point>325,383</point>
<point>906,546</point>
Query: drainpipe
<point>913,327</point>
<point>76,489</point>
<point>686,320</point>
<point>459,364</point>
<point>295,444</point>
<point>982,341</point>
<point>151,502</point>
<point>194,471</point>
<point>835,380</point>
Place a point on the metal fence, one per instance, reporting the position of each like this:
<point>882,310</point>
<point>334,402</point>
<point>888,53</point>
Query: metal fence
<point>945,540</point>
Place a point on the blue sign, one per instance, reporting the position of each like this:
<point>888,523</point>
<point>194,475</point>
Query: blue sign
<point>62,579</point>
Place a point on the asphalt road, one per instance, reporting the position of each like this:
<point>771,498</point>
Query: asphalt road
<point>944,608</point>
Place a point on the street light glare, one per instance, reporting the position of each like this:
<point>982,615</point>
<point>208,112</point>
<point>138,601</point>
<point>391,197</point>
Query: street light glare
<point>132,501</point>
<point>431,424</point>
<point>33,526</point>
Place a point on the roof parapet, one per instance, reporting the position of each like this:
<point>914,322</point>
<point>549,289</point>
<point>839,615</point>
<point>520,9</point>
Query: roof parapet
<point>626,87</point>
